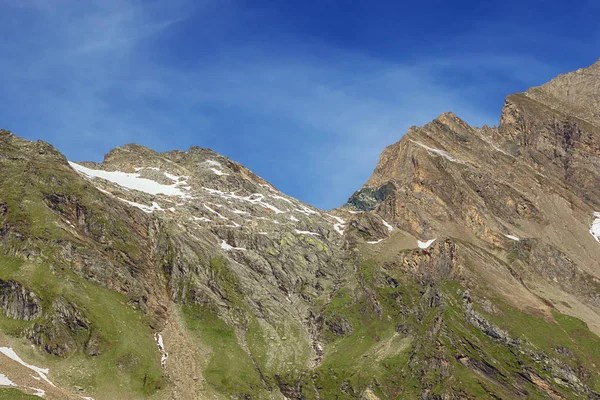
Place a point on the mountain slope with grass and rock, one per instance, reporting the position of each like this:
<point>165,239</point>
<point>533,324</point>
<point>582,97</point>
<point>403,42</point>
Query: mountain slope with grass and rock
<point>466,267</point>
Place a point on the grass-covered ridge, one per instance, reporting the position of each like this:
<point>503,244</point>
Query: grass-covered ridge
<point>15,394</point>
<point>129,361</point>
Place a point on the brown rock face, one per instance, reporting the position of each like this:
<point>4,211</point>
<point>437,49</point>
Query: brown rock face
<point>535,176</point>
<point>17,302</point>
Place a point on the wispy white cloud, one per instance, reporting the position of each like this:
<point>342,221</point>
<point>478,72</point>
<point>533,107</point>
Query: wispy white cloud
<point>88,77</point>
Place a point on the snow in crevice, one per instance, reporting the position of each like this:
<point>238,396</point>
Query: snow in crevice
<point>42,372</point>
<point>338,219</point>
<point>104,191</point>
<point>213,211</point>
<point>595,228</point>
<point>375,241</point>
<point>511,237</point>
<point>271,188</point>
<point>489,141</point>
<point>161,348</point>
<point>424,245</point>
<point>218,172</point>
<point>254,198</point>
<point>4,381</point>
<point>292,218</point>
<point>340,226</point>
<point>299,232</point>
<point>38,392</point>
<point>275,196</point>
<point>442,153</point>
<point>227,247</point>
<point>215,167</point>
<point>272,208</point>
<point>305,210</point>
<point>212,163</point>
<point>202,219</point>
<point>143,207</point>
<point>175,177</point>
<point>133,181</point>
<point>387,225</point>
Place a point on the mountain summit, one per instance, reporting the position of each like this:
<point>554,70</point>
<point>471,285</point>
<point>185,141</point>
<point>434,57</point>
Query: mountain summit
<point>466,267</point>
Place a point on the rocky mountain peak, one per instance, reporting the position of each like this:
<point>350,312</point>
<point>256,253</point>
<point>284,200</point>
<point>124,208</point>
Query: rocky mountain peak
<point>465,267</point>
<point>576,93</point>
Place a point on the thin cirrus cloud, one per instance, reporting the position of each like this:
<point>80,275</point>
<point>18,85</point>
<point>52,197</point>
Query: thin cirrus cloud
<point>88,77</point>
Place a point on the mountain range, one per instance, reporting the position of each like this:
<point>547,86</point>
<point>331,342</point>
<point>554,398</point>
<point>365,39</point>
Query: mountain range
<point>466,267</point>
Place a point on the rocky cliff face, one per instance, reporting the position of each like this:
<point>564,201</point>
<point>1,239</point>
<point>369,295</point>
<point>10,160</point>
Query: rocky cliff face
<point>464,268</point>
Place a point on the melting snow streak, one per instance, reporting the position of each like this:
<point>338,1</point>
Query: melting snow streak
<point>131,181</point>
<point>390,228</point>
<point>424,245</point>
<point>4,381</point>
<point>442,153</point>
<point>595,229</point>
<point>227,247</point>
<point>10,353</point>
<point>161,347</point>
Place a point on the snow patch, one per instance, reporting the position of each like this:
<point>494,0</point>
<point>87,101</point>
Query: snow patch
<point>39,392</point>
<point>268,187</point>
<point>104,191</point>
<point>340,226</point>
<point>161,347</point>
<point>388,226</point>
<point>489,141</point>
<point>203,219</point>
<point>307,233</point>
<point>174,177</point>
<point>254,198</point>
<point>424,245</point>
<point>4,381</point>
<point>439,152</point>
<point>595,228</point>
<point>218,172</point>
<point>143,207</point>
<point>375,241</point>
<point>228,247</point>
<point>306,211</point>
<point>42,372</point>
<point>215,167</point>
<point>294,218</point>
<point>338,219</point>
<point>511,237</point>
<point>132,181</point>
<point>275,196</point>
<point>272,208</point>
<point>213,211</point>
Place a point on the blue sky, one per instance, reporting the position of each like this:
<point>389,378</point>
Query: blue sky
<point>305,93</point>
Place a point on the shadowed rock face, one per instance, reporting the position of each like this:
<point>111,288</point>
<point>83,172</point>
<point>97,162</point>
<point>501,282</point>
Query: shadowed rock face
<point>464,268</point>
<point>17,302</point>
